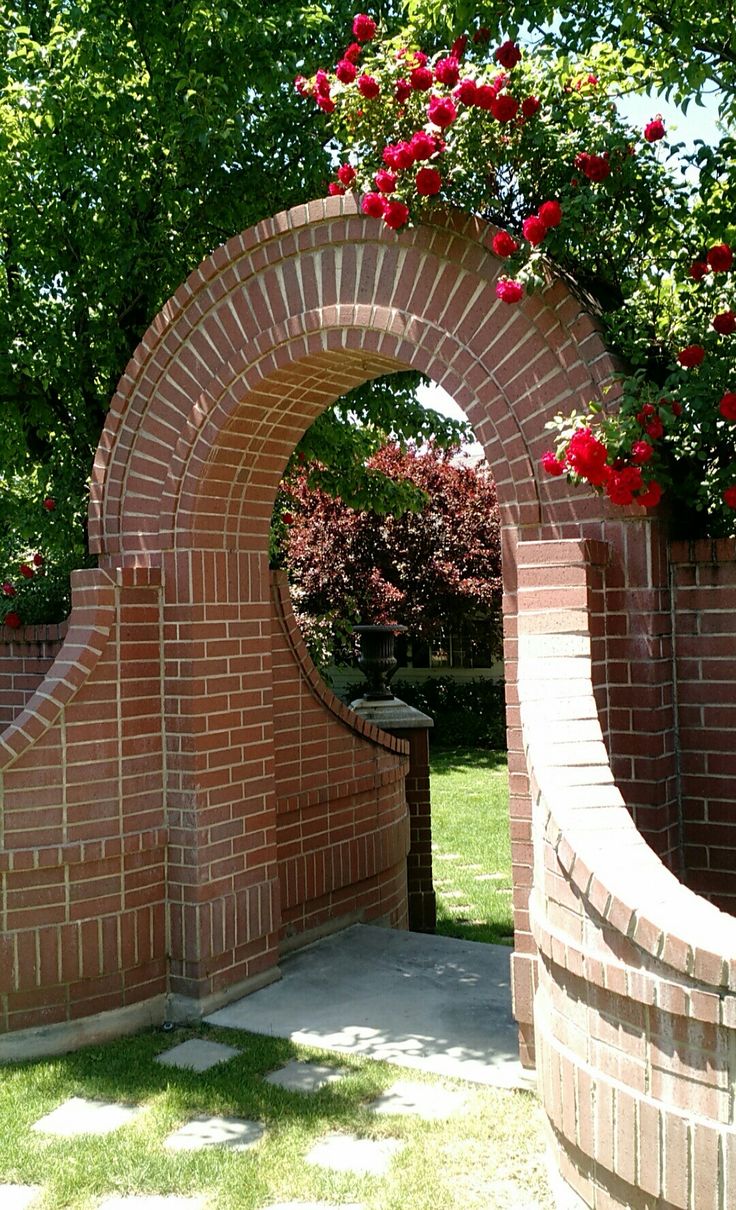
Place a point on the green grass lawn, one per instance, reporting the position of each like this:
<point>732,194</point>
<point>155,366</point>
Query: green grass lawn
<point>488,1156</point>
<point>472,850</point>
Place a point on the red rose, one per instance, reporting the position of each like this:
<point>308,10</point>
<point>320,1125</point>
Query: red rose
<point>368,87</point>
<point>654,130</point>
<point>422,145</point>
<point>346,174</point>
<point>326,104</point>
<point>509,291</point>
<point>428,182</point>
<point>595,167</point>
<point>655,428</point>
<point>481,35</point>
<point>504,244</point>
<point>447,71</point>
<point>12,620</point>
<point>550,214</point>
<point>364,27</point>
<point>441,111</point>
<point>551,464</point>
<point>651,495</point>
<point>720,258</point>
<point>458,47</point>
<point>395,214</point>
<point>676,408</point>
<point>346,71</point>
<point>729,499</point>
<point>725,323</point>
<point>586,455</point>
<point>647,411</point>
<point>467,92</point>
<point>38,560</point>
<point>421,79</point>
<point>727,405</point>
<point>385,180</point>
<point>398,155</point>
<point>49,504</point>
<point>641,452</point>
<point>534,230</point>
<point>529,106</point>
<point>698,269</point>
<point>504,108</point>
<point>353,52</point>
<point>373,205</point>
<point>621,485</point>
<point>287,518</point>
<point>301,85</point>
<point>508,55</point>
<point>335,190</point>
<point>7,589</point>
<point>402,90</point>
<point>485,96</point>
<point>322,83</point>
<point>693,355</point>
<point>26,571</point>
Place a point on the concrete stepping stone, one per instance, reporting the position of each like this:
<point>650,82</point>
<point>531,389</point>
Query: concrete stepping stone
<point>18,1197</point>
<point>348,1153</point>
<point>427,1101</point>
<point>80,1116</point>
<point>197,1054</point>
<point>152,1201</point>
<point>299,1076</point>
<point>235,1133</point>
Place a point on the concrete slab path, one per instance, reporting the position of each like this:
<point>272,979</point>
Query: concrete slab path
<point>433,1004</point>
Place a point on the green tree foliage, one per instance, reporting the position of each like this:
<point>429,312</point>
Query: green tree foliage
<point>682,48</point>
<point>431,569</point>
<point>135,137</point>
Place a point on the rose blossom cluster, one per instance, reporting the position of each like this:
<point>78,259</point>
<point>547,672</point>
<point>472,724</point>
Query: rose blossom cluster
<point>404,115</point>
<point>588,459</point>
<point>27,570</point>
<point>438,92</point>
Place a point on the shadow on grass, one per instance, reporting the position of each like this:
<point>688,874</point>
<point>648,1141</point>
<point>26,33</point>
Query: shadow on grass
<point>457,760</point>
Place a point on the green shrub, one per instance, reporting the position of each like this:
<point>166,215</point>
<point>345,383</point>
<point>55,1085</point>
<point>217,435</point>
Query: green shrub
<point>467,714</point>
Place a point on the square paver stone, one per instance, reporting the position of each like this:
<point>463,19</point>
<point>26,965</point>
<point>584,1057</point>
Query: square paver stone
<point>197,1054</point>
<point>426,1101</point>
<point>299,1076</point>
<point>348,1153</point>
<point>153,1201</point>
<point>80,1116</point>
<point>18,1197</point>
<point>236,1133</point>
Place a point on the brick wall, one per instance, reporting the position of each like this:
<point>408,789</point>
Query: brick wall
<point>342,830</point>
<point>25,657</point>
<point>635,1006</point>
<point>82,926</point>
<point>704,609</point>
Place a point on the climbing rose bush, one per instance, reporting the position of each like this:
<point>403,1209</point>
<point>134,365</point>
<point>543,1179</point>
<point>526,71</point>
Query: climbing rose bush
<point>535,146</point>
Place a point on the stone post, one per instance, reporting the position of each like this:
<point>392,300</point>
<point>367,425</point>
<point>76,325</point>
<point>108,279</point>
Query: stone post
<point>405,722</point>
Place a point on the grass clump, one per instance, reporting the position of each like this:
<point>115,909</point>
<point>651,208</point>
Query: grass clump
<point>471,856</point>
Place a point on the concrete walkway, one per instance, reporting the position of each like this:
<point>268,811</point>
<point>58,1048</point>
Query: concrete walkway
<point>434,1004</point>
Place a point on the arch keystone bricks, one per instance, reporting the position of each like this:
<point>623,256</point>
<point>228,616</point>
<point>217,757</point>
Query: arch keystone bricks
<point>183,800</point>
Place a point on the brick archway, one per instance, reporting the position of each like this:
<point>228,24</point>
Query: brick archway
<point>266,333</point>
<point>182,798</point>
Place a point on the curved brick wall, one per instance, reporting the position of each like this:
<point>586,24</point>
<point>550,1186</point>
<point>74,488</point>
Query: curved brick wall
<point>25,657</point>
<point>343,840</point>
<point>635,1009</point>
<point>82,923</point>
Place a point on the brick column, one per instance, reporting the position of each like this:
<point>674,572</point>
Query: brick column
<point>409,724</point>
